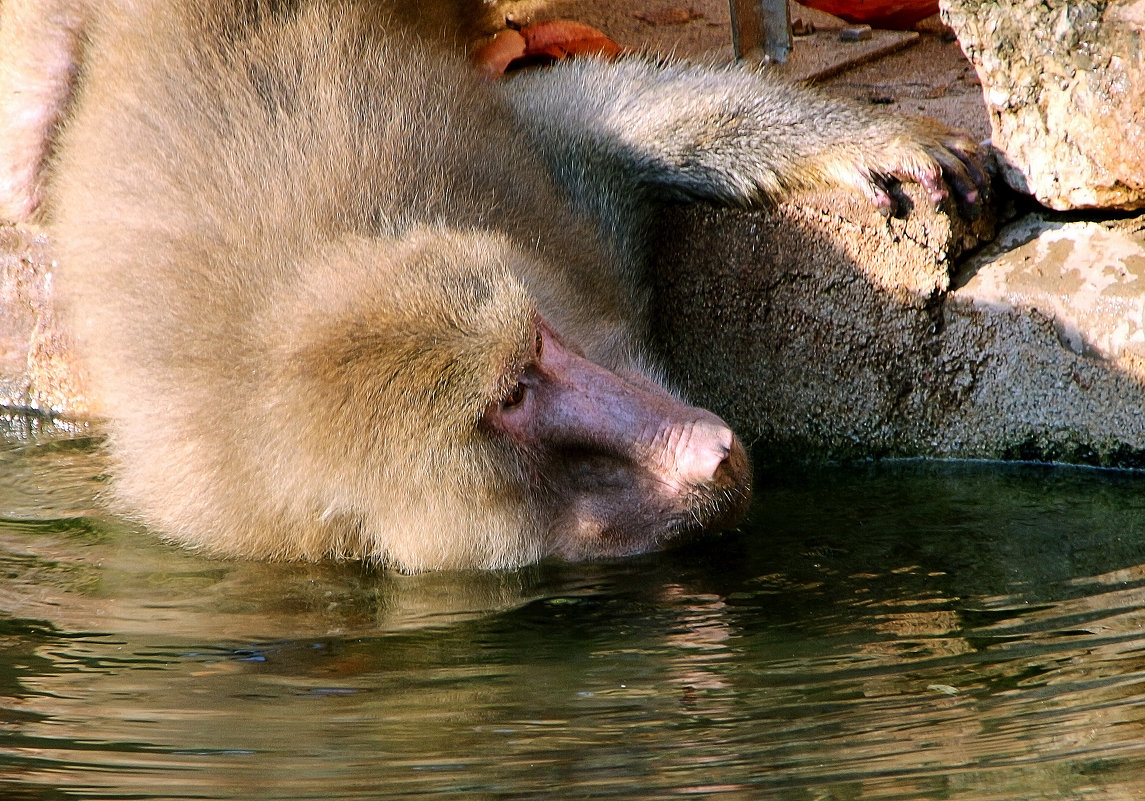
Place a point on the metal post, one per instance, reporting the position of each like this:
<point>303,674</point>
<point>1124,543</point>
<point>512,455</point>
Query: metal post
<point>761,30</point>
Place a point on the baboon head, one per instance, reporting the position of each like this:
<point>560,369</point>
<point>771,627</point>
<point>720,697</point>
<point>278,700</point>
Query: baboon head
<point>459,429</point>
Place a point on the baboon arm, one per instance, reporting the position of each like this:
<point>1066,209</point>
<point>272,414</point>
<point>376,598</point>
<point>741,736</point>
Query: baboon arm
<point>729,134</point>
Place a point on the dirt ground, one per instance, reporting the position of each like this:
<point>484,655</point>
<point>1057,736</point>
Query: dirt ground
<point>915,73</point>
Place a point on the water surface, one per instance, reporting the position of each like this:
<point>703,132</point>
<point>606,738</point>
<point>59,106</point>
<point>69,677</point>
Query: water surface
<point>888,631</point>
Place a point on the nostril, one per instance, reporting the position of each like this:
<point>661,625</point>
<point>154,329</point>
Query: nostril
<point>732,467</point>
<point>704,452</point>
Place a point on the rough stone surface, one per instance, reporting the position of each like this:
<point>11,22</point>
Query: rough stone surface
<point>1087,277</point>
<point>37,374</point>
<point>813,347</point>
<point>806,325</point>
<point>1064,82</point>
<point>1048,324</point>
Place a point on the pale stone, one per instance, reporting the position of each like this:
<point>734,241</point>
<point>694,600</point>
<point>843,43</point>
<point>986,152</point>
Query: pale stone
<point>1064,82</point>
<point>37,371</point>
<point>1087,277</point>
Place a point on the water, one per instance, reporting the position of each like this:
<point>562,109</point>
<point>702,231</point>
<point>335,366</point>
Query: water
<point>894,631</point>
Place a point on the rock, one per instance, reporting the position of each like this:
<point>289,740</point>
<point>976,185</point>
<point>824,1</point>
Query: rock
<point>1064,81</point>
<point>37,372</point>
<point>1088,278</point>
<point>1049,327</point>
<point>807,325</point>
<point>818,335</point>
<point>855,33</point>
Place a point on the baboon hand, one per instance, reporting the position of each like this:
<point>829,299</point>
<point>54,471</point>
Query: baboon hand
<point>943,162</point>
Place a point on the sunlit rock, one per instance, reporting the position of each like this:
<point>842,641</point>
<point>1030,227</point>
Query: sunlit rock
<point>1064,83</point>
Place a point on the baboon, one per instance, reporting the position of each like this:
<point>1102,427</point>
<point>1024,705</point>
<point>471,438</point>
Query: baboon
<point>338,297</point>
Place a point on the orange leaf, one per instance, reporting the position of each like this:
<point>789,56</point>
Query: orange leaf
<point>494,58</point>
<point>563,38</point>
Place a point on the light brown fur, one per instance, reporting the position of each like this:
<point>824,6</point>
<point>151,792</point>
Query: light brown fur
<point>309,259</point>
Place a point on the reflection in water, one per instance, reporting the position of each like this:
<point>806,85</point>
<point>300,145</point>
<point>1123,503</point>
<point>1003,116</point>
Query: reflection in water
<point>895,631</point>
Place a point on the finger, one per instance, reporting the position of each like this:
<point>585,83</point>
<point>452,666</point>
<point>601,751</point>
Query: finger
<point>927,173</point>
<point>975,161</point>
<point>958,175</point>
<point>877,192</point>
